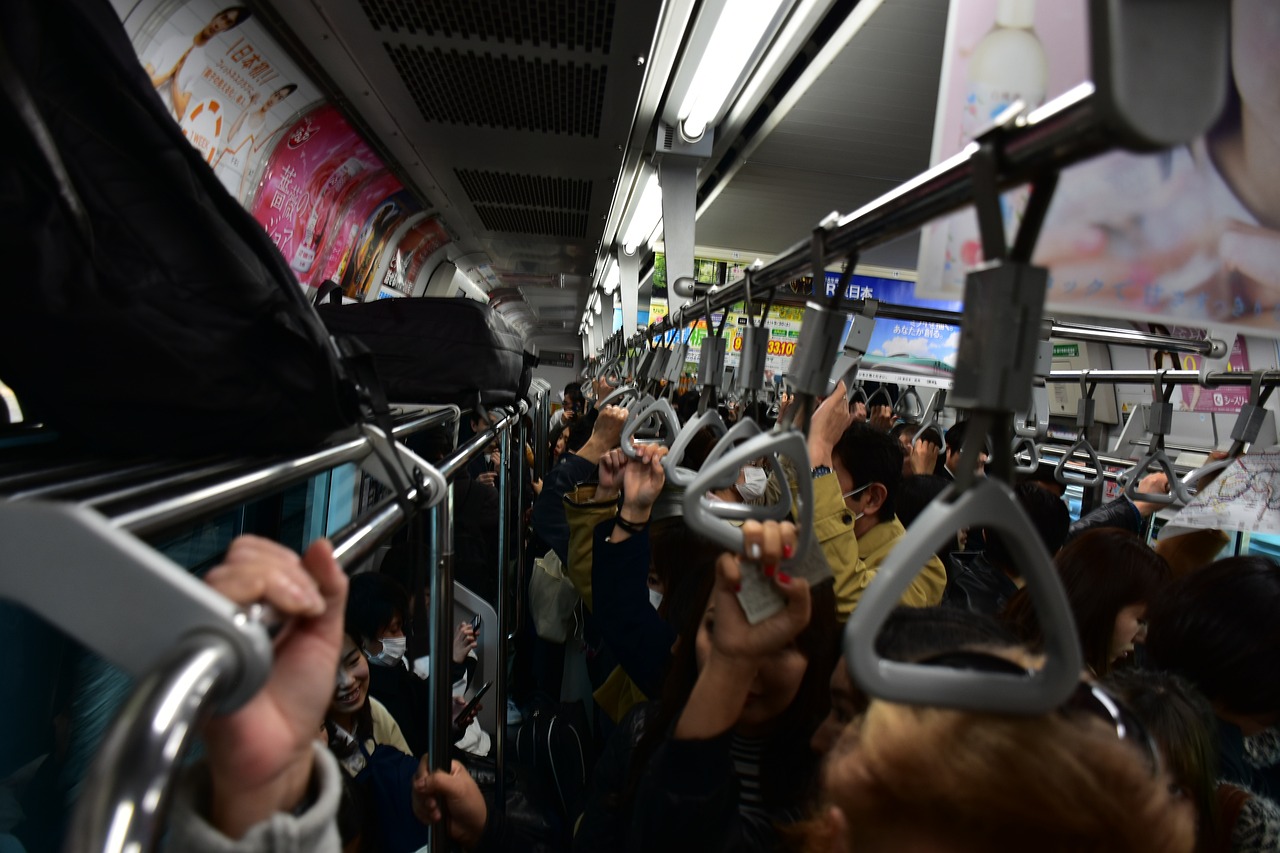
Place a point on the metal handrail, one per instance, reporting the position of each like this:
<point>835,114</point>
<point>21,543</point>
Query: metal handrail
<point>126,793</point>
<point>253,478</point>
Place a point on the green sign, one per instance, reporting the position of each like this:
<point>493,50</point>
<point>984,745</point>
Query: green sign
<point>1066,350</point>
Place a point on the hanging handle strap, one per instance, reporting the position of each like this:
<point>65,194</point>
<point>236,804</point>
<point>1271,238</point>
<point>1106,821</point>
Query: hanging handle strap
<point>991,505</point>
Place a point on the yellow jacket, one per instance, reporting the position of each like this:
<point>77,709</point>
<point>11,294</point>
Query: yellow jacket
<point>854,561</point>
<point>584,513</point>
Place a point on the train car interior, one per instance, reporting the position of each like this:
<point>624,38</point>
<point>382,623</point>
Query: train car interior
<point>790,424</point>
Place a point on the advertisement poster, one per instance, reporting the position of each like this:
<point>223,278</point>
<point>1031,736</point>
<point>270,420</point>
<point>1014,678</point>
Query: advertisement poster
<point>370,192</point>
<point>903,351</point>
<point>358,279</point>
<point>314,168</point>
<point>1194,398</point>
<point>225,81</point>
<point>1190,234</point>
<point>418,243</point>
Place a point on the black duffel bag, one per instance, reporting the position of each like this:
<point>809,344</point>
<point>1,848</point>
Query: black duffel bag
<point>438,350</point>
<point>145,310</point>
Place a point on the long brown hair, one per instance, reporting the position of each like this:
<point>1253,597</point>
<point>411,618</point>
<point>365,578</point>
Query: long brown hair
<point>1103,572</point>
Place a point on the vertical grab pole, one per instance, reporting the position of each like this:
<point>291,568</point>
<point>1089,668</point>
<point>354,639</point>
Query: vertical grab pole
<point>439,718</point>
<point>500,695</point>
<point>520,461</point>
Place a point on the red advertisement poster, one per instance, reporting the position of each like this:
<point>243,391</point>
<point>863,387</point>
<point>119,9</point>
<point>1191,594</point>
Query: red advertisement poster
<point>311,172</point>
<point>417,244</point>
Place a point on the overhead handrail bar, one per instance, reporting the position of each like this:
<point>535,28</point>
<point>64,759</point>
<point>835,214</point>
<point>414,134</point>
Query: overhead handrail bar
<point>1215,379</point>
<point>1208,347</point>
<point>1069,129</point>
<point>142,512</point>
<point>1084,422</point>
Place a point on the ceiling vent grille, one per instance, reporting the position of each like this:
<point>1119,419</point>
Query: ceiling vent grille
<point>525,220</point>
<point>585,25</point>
<point>527,190</point>
<point>512,93</point>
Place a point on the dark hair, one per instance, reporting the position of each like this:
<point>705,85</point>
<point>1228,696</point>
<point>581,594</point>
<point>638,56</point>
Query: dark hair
<point>287,88</point>
<point>1180,720</point>
<point>573,396</point>
<point>915,633</point>
<point>1217,626</point>
<point>916,493</point>
<point>955,436</point>
<point>374,599</point>
<point>1049,516</point>
<point>579,434</point>
<point>871,456</point>
<point>243,13</point>
<point>686,405</point>
<point>364,716</point>
<point>1103,571</point>
<point>1044,473</point>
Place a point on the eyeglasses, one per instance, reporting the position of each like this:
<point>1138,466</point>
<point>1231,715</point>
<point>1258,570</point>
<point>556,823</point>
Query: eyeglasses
<point>1088,699</point>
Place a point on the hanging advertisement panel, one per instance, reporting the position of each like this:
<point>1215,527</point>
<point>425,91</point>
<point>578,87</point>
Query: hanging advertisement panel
<point>1191,234</point>
<point>315,167</point>
<point>227,83</point>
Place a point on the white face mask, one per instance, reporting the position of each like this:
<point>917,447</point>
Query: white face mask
<point>752,487</point>
<point>655,598</point>
<point>393,648</point>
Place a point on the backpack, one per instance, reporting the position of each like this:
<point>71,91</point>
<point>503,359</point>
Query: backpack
<point>555,748</point>
<point>147,311</point>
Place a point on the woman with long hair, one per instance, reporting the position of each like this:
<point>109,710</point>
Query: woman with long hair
<point>1109,576</point>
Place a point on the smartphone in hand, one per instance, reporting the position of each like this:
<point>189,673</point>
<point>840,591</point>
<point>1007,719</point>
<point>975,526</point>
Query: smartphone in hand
<point>468,708</point>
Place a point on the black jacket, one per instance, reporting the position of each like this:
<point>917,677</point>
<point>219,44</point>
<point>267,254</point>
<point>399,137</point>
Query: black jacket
<point>1119,513</point>
<point>979,587</point>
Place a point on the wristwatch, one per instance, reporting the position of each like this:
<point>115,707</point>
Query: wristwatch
<point>820,470</point>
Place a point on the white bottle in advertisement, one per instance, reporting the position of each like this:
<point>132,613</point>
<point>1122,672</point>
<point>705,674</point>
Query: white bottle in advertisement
<point>305,255</point>
<point>1008,64</point>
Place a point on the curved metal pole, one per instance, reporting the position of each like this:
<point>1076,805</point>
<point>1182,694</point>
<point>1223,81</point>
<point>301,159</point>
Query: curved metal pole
<point>127,792</point>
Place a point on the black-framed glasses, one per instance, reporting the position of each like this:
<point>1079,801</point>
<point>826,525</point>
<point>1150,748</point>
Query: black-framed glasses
<point>1088,698</point>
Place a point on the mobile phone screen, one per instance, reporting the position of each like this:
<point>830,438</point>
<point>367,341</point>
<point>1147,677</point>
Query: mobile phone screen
<point>471,704</point>
<point>475,625</point>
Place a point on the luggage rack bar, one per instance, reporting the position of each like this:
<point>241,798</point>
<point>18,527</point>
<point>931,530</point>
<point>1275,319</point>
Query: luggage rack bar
<point>183,492</point>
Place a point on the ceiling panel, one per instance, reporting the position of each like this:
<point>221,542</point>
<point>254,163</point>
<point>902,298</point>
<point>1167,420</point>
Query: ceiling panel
<point>863,127</point>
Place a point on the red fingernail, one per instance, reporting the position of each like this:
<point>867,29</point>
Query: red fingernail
<point>737,587</point>
<point>787,551</point>
<point>784,578</point>
<point>769,570</point>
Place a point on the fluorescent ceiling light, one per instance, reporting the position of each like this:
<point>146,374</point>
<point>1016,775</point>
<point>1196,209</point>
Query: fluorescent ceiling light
<point>737,33</point>
<point>595,301</point>
<point>645,216</point>
<point>612,277</point>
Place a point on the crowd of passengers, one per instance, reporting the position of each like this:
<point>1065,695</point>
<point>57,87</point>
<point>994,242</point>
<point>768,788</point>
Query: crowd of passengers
<point>718,734</point>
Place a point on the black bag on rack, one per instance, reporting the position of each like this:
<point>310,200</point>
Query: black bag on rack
<point>438,350</point>
<point>145,310</point>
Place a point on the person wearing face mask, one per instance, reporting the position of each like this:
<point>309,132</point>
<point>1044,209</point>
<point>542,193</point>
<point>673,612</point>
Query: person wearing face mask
<point>751,484</point>
<point>856,472</point>
<point>377,611</point>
